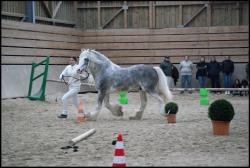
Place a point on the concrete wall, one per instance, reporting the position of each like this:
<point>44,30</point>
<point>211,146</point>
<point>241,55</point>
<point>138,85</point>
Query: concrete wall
<point>15,80</point>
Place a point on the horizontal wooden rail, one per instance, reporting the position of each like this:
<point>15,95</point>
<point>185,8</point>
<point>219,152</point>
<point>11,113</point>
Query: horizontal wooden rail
<point>58,81</point>
<point>211,89</point>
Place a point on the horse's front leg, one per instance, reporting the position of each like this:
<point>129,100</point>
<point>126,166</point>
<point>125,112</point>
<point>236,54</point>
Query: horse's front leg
<point>93,116</point>
<point>139,113</point>
<point>116,110</point>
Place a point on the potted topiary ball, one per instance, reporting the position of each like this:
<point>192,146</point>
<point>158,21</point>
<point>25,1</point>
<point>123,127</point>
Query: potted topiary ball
<point>171,109</point>
<point>221,112</point>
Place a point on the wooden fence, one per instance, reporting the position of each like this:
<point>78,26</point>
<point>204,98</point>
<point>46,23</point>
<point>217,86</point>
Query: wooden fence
<point>132,14</point>
<point>23,43</point>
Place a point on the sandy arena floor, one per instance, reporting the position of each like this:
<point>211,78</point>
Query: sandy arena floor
<point>32,135</point>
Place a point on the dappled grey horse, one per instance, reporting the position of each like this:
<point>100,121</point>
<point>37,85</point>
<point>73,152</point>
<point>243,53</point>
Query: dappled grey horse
<point>110,77</point>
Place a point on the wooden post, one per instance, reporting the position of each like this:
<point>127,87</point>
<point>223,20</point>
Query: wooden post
<point>125,8</point>
<point>180,16</point>
<point>153,14</point>
<point>237,13</point>
<point>208,14</point>
<point>150,14</point>
<point>75,11</point>
<point>99,14</point>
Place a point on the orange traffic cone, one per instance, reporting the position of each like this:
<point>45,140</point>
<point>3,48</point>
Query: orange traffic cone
<point>119,159</point>
<point>80,116</point>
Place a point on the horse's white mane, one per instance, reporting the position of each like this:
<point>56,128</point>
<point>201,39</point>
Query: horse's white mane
<point>96,56</point>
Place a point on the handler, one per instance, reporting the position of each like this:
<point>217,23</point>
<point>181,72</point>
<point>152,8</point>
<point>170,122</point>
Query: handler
<point>74,85</point>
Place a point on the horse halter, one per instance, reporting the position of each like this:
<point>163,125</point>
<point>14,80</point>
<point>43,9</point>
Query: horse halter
<point>86,64</point>
<point>84,74</point>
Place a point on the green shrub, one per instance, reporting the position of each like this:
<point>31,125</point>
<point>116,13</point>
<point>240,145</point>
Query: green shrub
<point>171,108</point>
<point>221,110</point>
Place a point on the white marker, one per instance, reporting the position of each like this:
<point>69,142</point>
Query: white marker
<point>81,137</point>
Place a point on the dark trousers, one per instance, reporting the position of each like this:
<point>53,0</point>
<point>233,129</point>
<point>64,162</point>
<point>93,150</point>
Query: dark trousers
<point>215,82</point>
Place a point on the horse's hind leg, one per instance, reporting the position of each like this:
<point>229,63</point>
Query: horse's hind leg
<point>116,110</point>
<point>139,113</point>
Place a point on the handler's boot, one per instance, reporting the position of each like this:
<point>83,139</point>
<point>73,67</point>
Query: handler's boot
<point>62,116</point>
<point>138,116</point>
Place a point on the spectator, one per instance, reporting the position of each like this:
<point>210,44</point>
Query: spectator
<point>201,73</point>
<point>186,67</point>
<point>245,84</point>
<point>227,68</point>
<point>175,75</point>
<point>213,70</point>
<point>167,68</point>
<point>247,71</point>
<point>237,84</point>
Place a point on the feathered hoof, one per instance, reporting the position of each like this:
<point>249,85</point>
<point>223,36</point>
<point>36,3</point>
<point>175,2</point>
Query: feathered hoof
<point>117,111</point>
<point>91,118</point>
<point>138,116</point>
<point>134,118</point>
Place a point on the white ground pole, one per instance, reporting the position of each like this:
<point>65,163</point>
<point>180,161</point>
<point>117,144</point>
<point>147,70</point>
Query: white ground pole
<point>82,137</point>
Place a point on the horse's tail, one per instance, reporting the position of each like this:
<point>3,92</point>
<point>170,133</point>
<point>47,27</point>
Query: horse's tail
<point>163,84</point>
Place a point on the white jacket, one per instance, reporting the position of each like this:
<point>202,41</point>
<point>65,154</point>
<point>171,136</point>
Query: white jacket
<point>72,72</point>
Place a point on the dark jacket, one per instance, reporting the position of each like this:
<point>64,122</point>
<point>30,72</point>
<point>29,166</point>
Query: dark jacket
<point>237,85</point>
<point>227,66</point>
<point>213,68</point>
<point>175,74</point>
<point>167,67</point>
<point>247,70</point>
<point>201,69</point>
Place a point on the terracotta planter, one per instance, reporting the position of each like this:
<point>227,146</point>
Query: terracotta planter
<point>220,127</point>
<point>171,118</point>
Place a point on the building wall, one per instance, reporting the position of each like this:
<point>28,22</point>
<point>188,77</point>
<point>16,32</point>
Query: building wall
<point>132,14</point>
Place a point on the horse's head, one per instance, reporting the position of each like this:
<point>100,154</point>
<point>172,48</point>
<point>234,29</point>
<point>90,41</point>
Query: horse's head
<point>83,60</point>
<point>93,61</point>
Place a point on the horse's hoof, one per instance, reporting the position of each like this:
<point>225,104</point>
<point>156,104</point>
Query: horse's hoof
<point>119,114</point>
<point>91,119</point>
<point>117,111</point>
<point>134,118</point>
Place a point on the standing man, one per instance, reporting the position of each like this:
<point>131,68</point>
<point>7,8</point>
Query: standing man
<point>167,68</point>
<point>213,69</point>
<point>201,73</point>
<point>186,67</point>
<point>227,68</point>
